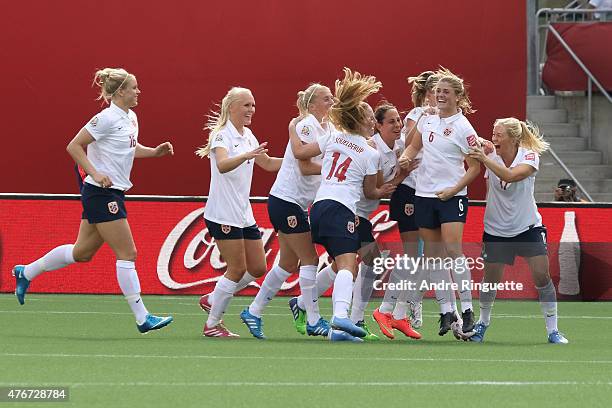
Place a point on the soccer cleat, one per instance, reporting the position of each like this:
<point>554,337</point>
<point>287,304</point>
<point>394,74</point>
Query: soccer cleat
<point>253,323</point>
<point>339,335</point>
<point>370,336</point>
<point>403,325</point>
<point>446,320</point>
<point>345,324</point>
<point>299,316</point>
<point>153,322</point>
<point>321,328</point>
<point>416,315</point>
<point>557,338</point>
<point>218,331</point>
<point>205,303</point>
<point>468,321</point>
<point>384,323</point>
<point>479,332</point>
<point>21,283</point>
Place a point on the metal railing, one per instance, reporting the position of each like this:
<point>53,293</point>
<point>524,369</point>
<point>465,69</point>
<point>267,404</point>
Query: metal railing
<point>569,15</point>
<point>571,175</point>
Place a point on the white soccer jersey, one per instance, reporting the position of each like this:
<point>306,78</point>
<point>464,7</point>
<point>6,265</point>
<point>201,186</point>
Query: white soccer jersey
<point>347,159</point>
<point>388,160</point>
<point>446,142</point>
<point>228,198</point>
<point>291,185</point>
<point>413,115</point>
<point>112,153</point>
<point>511,207</point>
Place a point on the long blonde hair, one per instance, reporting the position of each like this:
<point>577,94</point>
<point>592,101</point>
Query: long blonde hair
<point>526,135</point>
<point>110,80</point>
<point>348,113</point>
<point>425,81</point>
<point>216,120</point>
<point>463,102</point>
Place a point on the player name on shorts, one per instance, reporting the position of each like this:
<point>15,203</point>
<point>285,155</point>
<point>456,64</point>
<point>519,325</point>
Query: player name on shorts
<point>464,285</point>
<point>349,144</point>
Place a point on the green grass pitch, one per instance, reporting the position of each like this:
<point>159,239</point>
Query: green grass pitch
<point>90,344</point>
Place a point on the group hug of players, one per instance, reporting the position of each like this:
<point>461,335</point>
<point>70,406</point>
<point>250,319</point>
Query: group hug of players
<point>342,157</point>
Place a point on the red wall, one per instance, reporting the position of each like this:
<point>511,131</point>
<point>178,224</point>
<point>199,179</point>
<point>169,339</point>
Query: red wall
<point>187,54</point>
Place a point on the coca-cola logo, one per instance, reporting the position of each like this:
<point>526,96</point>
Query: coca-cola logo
<point>202,249</point>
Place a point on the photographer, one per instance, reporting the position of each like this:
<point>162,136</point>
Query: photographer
<point>566,191</point>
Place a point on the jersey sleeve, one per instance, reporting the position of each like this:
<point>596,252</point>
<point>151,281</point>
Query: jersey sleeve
<point>99,126</point>
<point>220,139</point>
<point>373,164</point>
<point>531,158</point>
<point>467,138</point>
<point>305,131</point>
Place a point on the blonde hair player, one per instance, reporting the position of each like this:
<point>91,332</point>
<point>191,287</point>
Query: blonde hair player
<point>105,149</point>
<point>290,197</point>
<point>441,202</point>
<point>512,225</point>
<point>233,151</point>
<point>350,165</point>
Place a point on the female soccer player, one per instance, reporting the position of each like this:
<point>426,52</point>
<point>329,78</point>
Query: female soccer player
<point>290,197</point>
<point>389,145</point>
<point>393,310</point>
<point>512,225</point>
<point>111,141</point>
<point>441,191</point>
<point>349,166</point>
<point>233,150</point>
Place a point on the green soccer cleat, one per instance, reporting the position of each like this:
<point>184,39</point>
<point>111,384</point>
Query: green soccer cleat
<point>299,316</point>
<point>369,336</point>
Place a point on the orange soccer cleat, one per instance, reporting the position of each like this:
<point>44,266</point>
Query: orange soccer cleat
<point>403,325</point>
<point>384,323</point>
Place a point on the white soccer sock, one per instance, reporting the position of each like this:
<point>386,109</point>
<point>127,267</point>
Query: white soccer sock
<point>325,279</point>
<point>55,259</point>
<point>400,312</point>
<point>437,277</point>
<point>130,287</point>
<point>308,287</point>
<point>362,291</point>
<point>343,292</point>
<point>223,294</point>
<point>244,282</point>
<point>548,304</point>
<point>486,306</point>
<point>419,280</point>
<point>269,288</point>
<point>463,278</point>
<point>390,298</point>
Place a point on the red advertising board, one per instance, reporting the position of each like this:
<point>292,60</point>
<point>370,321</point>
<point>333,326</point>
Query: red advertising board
<point>176,255</point>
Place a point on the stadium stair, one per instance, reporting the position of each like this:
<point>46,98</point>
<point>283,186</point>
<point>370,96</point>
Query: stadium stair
<point>565,139</point>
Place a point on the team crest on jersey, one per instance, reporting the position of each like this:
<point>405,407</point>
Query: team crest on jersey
<point>409,209</point>
<point>530,156</point>
<point>292,221</point>
<point>448,131</point>
<point>306,131</point>
<point>219,138</point>
<point>471,140</point>
<point>350,227</point>
<point>113,207</point>
<point>134,123</point>
<point>226,229</point>
<point>94,121</point>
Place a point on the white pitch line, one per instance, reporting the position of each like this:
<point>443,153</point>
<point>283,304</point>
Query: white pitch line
<point>306,358</point>
<point>318,384</point>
